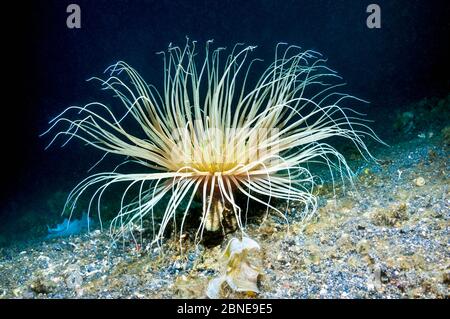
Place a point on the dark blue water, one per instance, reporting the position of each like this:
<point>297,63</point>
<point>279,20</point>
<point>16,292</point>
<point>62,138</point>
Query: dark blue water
<point>403,61</point>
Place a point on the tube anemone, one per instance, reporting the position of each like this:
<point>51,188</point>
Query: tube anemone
<point>210,134</point>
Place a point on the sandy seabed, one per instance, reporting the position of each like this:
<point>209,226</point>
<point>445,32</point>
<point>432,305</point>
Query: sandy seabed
<point>388,238</point>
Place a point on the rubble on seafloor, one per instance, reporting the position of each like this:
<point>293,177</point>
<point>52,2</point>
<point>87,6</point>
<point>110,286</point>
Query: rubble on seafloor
<point>388,237</point>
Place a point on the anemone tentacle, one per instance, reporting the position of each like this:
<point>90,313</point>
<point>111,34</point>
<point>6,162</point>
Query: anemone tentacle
<point>209,134</point>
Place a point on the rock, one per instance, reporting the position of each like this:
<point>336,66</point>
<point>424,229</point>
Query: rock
<point>42,285</point>
<point>344,242</point>
<point>446,278</point>
<point>362,247</point>
<point>190,287</point>
<point>393,216</point>
<point>74,278</point>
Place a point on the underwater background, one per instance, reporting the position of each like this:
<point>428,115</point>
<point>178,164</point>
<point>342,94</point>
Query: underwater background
<point>402,69</point>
